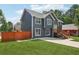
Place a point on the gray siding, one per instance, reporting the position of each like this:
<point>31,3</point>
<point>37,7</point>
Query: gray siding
<point>43,29</point>
<point>49,26</point>
<point>45,22</point>
<point>26,21</point>
<point>60,26</point>
<point>38,26</point>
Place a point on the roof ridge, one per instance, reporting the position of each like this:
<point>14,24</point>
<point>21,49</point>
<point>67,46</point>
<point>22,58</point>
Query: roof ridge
<point>33,11</point>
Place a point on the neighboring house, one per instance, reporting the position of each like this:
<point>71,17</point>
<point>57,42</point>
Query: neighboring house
<point>40,24</point>
<point>17,27</point>
<point>71,29</point>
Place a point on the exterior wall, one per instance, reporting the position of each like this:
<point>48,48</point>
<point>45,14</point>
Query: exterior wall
<point>55,25</point>
<point>45,22</point>
<point>43,27</point>
<point>49,26</point>
<point>51,32</point>
<point>59,27</point>
<point>26,21</point>
<point>38,26</point>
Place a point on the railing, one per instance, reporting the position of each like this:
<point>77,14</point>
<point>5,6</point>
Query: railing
<point>64,35</point>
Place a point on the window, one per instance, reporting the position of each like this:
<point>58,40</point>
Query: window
<point>49,21</point>
<point>37,21</point>
<point>37,31</point>
<point>47,32</point>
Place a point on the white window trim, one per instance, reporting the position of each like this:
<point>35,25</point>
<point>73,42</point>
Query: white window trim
<point>47,34</point>
<point>52,17</point>
<point>37,34</point>
<point>47,21</point>
<point>37,19</point>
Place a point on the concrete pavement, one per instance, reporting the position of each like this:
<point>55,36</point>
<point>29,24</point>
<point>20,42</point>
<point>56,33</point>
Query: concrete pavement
<point>66,42</point>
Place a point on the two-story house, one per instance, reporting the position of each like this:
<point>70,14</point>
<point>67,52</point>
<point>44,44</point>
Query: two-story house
<point>40,24</point>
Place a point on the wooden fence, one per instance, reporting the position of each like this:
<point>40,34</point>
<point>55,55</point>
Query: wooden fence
<point>12,36</point>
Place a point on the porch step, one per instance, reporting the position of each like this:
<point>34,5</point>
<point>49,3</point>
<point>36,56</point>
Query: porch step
<point>62,35</point>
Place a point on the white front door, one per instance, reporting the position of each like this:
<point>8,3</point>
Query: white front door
<point>37,31</point>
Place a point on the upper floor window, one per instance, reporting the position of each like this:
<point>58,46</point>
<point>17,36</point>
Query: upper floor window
<point>37,20</point>
<point>49,21</point>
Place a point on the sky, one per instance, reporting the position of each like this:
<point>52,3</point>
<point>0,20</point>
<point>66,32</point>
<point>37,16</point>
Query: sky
<point>13,12</point>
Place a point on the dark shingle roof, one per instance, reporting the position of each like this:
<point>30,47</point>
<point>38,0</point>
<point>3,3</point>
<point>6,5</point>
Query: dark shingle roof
<point>34,13</point>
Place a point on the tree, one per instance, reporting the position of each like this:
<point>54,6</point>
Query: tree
<point>2,18</point>
<point>62,16</point>
<point>2,22</point>
<point>66,19</point>
<point>76,19</point>
<point>3,28</point>
<point>9,26</point>
<point>71,12</point>
<point>58,13</point>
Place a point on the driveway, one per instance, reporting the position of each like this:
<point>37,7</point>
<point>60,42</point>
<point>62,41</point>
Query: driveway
<point>67,42</point>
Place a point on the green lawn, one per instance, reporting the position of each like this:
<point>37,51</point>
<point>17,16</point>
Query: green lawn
<point>36,47</point>
<point>75,38</point>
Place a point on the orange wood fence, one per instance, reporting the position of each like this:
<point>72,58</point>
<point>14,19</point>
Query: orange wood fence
<point>12,36</point>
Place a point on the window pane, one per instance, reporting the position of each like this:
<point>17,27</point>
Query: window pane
<point>38,31</point>
<point>49,21</point>
<point>37,20</point>
<point>47,32</point>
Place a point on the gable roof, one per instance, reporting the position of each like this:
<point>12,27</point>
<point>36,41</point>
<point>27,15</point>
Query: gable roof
<point>34,13</point>
<point>42,15</point>
<point>69,27</point>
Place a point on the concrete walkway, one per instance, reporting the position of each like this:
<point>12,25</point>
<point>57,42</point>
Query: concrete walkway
<point>67,42</point>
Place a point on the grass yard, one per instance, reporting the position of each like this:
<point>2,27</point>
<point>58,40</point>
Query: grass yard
<point>75,38</point>
<point>36,47</point>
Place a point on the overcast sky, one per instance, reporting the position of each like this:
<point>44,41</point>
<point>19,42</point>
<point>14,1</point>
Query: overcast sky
<point>13,12</point>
